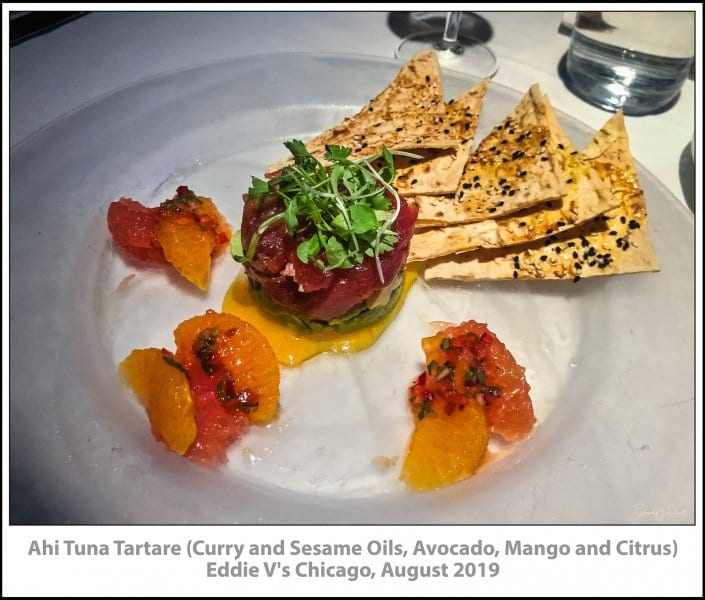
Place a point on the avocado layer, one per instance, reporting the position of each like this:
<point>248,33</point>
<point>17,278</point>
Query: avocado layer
<point>356,318</point>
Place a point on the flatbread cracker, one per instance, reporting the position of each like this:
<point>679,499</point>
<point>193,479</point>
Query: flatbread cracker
<point>400,116</point>
<point>614,243</point>
<point>416,88</point>
<point>516,166</point>
<point>440,170</point>
<point>586,197</point>
<point>398,130</point>
<point>559,137</point>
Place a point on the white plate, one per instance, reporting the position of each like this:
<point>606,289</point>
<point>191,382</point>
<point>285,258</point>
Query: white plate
<point>610,361</point>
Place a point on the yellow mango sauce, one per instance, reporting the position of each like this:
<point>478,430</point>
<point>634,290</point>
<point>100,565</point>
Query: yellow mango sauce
<point>293,345</point>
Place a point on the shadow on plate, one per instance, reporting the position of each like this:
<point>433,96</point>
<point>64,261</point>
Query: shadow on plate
<point>686,171</point>
<point>568,82</point>
<point>27,25</point>
<point>472,25</point>
<point>28,506</point>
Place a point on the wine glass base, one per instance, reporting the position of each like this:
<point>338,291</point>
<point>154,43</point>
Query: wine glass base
<point>469,55</point>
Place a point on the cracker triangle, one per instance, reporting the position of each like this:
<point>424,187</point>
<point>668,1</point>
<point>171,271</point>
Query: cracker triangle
<point>416,88</point>
<point>586,197</point>
<point>398,130</point>
<point>613,243</point>
<point>405,115</point>
<point>439,171</point>
<point>516,166</point>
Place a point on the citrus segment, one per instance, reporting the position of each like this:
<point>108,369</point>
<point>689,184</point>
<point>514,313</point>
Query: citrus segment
<point>239,363</point>
<point>471,385</point>
<point>188,247</point>
<point>191,231</point>
<point>209,217</point>
<point>445,448</point>
<point>510,412</point>
<point>160,382</point>
<point>217,428</point>
<point>186,231</point>
<point>134,229</point>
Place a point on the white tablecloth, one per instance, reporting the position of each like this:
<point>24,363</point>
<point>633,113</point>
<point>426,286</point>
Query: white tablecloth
<point>56,72</point>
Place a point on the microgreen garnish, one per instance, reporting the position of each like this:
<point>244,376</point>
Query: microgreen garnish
<point>425,409</point>
<point>259,189</point>
<point>340,212</point>
<point>474,375</point>
<point>236,249</point>
<point>173,363</point>
<point>181,200</point>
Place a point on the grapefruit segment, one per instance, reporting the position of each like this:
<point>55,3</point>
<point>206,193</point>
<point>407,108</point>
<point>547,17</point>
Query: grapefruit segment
<point>134,229</point>
<point>510,413</point>
<point>217,428</point>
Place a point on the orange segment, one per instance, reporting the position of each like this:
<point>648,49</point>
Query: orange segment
<point>238,360</point>
<point>208,215</point>
<point>446,448</point>
<point>156,377</point>
<point>191,232</point>
<point>188,246</point>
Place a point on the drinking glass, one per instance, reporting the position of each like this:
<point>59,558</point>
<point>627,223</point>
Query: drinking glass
<point>455,50</point>
<point>636,61</point>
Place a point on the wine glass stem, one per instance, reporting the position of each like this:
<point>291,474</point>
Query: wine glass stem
<point>450,34</point>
